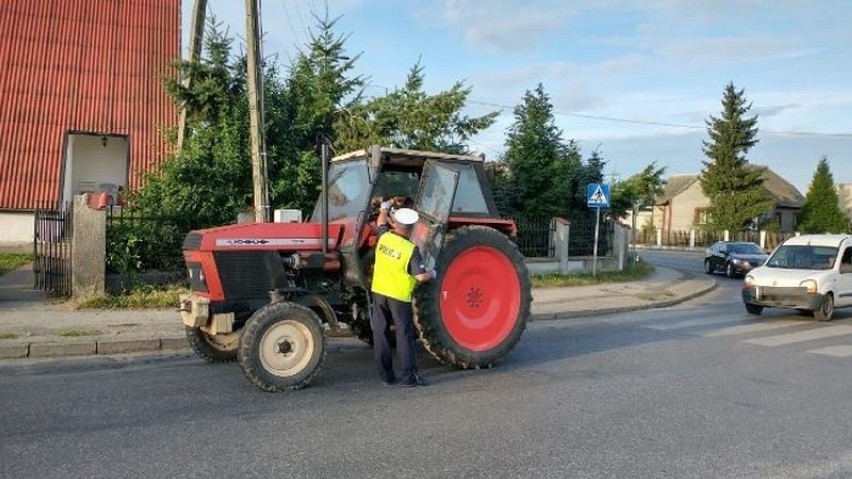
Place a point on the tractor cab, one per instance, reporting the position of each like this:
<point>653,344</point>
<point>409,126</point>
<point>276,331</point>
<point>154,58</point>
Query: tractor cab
<point>447,191</point>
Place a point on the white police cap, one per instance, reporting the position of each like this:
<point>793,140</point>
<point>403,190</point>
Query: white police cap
<point>405,216</point>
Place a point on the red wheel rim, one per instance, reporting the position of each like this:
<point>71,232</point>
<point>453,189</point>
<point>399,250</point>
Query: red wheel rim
<point>480,297</point>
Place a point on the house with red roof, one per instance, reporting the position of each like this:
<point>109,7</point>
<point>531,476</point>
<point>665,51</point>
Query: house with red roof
<point>82,102</point>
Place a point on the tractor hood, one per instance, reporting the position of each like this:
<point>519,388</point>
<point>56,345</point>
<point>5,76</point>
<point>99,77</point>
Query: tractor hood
<point>263,236</point>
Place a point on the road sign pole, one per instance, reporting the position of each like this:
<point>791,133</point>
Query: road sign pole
<point>595,247</point>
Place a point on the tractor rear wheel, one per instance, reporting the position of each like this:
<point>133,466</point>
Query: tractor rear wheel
<point>474,313</point>
<point>282,347</point>
<point>217,348</point>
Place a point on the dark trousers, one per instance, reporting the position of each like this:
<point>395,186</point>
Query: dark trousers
<point>385,310</point>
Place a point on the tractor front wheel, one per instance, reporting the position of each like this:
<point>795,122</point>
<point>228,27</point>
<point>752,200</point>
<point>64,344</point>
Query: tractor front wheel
<point>215,348</point>
<point>474,313</point>
<point>282,347</point>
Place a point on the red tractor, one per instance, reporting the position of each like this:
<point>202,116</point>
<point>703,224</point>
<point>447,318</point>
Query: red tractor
<point>266,294</point>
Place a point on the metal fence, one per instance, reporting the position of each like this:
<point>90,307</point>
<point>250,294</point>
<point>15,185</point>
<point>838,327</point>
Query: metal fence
<point>581,236</point>
<point>52,248</point>
<point>136,243</point>
<point>535,235</point>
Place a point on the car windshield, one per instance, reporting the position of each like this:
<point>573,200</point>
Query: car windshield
<point>803,257</point>
<point>745,248</point>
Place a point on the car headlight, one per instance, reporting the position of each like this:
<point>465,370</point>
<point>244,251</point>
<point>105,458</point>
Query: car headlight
<point>810,284</point>
<point>748,281</point>
<point>737,261</point>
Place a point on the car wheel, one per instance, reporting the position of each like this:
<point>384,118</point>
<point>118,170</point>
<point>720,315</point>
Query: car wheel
<point>707,268</point>
<point>826,309</point>
<point>729,271</point>
<point>754,309</point>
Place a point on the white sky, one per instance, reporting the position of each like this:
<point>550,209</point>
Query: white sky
<point>634,79</point>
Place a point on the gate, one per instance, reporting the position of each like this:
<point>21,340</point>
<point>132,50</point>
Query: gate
<point>52,249</point>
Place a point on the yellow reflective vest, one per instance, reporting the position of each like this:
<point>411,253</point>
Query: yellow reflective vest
<point>390,271</point>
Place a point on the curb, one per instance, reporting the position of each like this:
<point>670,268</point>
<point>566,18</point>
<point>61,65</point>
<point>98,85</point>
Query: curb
<point>624,309</point>
<point>90,348</point>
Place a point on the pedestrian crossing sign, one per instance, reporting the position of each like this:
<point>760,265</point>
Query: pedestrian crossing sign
<point>597,195</point>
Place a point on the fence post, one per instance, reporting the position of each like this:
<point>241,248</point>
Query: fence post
<point>763,239</point>
<point>659,236</point>
<point>692,238</point>
<point>561,231</point>
<point>620,244</point>
<point>727,235</point>
<point>88,260</point>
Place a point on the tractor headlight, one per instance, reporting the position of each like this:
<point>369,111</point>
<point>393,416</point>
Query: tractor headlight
<point>197,280</point>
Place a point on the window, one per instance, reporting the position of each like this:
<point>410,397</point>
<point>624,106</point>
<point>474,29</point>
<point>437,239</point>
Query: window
<point>700,216</point>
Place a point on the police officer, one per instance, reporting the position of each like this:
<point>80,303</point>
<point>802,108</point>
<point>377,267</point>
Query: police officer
<point>397,270</point>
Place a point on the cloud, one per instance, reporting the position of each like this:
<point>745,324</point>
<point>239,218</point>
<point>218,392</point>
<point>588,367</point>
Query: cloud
<point>500,25</point>
<point>701,52</point>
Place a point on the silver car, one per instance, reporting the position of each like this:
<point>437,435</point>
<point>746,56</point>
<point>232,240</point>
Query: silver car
<point>809,273</point>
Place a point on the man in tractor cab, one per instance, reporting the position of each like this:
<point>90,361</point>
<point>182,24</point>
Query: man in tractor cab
<point>398,268</point>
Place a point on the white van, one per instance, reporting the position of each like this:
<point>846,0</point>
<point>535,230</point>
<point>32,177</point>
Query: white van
<point>810,273</point>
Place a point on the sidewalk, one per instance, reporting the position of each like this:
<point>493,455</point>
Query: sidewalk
<point>33,326</point>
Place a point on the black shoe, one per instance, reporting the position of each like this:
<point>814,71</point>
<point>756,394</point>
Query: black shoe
<point>389,381</point>
<point>414,382</point>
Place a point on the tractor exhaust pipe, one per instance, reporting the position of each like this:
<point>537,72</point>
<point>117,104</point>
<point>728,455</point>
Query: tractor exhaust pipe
<point>324,202</point>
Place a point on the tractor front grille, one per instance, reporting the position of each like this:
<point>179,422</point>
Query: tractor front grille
<point>246,274</point>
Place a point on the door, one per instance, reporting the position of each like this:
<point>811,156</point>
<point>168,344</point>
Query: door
<point>434,203</point>
<point>844,279</point>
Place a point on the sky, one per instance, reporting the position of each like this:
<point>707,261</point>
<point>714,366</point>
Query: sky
<point>634,80</point>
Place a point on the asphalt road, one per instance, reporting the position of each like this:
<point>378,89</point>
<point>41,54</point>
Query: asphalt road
<point>698,390</point>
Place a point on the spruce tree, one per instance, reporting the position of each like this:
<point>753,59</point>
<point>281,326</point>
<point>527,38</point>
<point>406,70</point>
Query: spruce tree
<point>536,157</point>
<point>821,212</point>
<point>734,187</point>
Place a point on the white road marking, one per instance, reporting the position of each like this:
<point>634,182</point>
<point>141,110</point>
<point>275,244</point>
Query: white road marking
<point>841,351</point>
<point>809,335</point>
<point>755,328</point>
<point>691,323</point>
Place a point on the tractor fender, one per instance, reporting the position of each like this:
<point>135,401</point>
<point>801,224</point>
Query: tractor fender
<point>316,303</point>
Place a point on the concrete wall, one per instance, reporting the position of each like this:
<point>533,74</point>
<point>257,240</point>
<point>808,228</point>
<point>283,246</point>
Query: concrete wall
<point>16,229</point>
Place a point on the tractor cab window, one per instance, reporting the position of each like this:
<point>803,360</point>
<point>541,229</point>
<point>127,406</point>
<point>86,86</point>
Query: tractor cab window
<point>469,197</point>
<point>348,190</point>
<point>397,183</point>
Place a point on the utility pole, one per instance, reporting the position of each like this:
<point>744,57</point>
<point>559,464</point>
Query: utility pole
<point>199,11</point>
<point>255,93</point>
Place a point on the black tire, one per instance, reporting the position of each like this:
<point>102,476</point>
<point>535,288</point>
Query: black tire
<point>826,309</point>
<point>282,347</point>
<point>476,252</point>
<point>754,309</point>
<point>219,348</point>
<point>729,271</point>
<point>707,268</point>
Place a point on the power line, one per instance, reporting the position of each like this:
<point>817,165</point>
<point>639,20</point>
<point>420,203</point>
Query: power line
<point>666,124</point>
<point>504,108</point>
